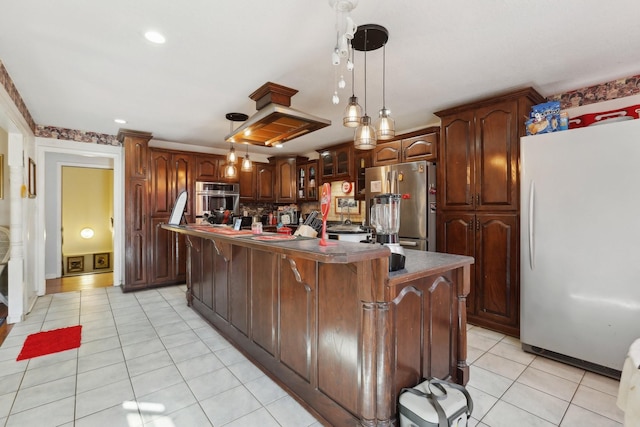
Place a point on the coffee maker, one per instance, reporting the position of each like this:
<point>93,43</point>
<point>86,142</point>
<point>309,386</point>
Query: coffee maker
<point>385,217</point>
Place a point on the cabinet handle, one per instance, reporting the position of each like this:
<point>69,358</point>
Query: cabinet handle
<point>477,224</point>
<point>477,199</point>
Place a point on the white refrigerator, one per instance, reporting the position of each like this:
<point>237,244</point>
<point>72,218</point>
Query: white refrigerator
<point>580,244</point>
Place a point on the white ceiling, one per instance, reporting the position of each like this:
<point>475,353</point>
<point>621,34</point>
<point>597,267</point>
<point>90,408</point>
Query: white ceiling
<point>79,64</point>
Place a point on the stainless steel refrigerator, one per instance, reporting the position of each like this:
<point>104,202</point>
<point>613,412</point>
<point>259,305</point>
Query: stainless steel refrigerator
<point>580,244</point>
<point>416,182</point>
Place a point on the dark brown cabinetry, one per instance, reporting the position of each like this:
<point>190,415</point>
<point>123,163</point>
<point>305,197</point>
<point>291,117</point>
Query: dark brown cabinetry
<point>285,180</point>
<point>410,147</point>
<point>307,181</point>
<point>210,167</point>
<point>492,239</point>
<point>153,180</point>
<point>362,160</point>
<point>136,207</point>
<point>265,182</point>
<point>336,162</point>
<point>247,181</point>
<point>478,201</point>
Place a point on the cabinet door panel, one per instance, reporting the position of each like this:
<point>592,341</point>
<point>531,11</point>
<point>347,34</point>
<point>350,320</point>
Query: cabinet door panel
<point>497,157</point>
<point>136,239</point>
<point>239,296</point>
<point>497,282</point>
<point>297,314</point>
<point>183,180</point>
<point>206,168</point>
<point>161,196</point>
<point>420,148</point>
<point>456,168</point>
<point>286,180</point>
<point>388,153</point>
<point>457,236</point>
<point>248,184</point>
<point>163,242</point>
<point>263,289</point>
<point>265,182</point>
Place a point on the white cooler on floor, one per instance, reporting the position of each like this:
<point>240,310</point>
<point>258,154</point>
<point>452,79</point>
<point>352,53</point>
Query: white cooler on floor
<point>629,391</point>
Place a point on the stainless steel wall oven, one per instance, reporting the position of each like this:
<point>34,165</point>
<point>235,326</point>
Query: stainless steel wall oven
<point>216,197</point>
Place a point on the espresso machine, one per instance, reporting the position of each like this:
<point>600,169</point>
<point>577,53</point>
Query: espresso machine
<point>385,217</point>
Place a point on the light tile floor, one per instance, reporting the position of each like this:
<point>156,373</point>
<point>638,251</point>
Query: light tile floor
<point>147,359</point>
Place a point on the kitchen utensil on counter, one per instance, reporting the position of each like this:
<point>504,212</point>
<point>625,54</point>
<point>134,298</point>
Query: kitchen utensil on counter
<point>385,217</point>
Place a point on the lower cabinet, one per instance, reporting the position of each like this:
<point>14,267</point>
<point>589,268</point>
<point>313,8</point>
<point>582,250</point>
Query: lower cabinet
<point>492,239</point>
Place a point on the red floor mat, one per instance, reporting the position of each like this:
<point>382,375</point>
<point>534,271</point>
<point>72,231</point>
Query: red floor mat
<point>47,342</point>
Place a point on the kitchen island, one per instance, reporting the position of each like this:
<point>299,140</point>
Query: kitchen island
<point>331,324</point>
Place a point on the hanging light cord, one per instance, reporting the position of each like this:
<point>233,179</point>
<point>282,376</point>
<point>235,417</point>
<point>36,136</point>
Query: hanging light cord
<point>384,79</point>
<point>365,72</point>
<point>353,80</point>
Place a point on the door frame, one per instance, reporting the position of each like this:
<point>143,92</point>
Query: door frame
<point>49,145</point>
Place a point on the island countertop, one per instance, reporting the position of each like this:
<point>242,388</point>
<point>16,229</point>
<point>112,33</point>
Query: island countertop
<point>330,323</point>
<point>417,262</point>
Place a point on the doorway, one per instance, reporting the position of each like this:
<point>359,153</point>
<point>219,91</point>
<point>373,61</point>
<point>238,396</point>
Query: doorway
<point>56,154</point>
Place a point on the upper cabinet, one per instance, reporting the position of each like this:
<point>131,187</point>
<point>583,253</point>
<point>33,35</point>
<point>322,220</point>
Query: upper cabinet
<point>336,162</point>
<point>420,145</point>
<point>286,180</point>
<point>306,180</point>
<point>362,160</point>
<point>265,182</point>
<point>479,151</point>
<point>210,167</point>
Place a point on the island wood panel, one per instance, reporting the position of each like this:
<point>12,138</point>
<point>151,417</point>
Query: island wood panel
<point>221,258</point>
<point>239,289</point>
<point>374,334</point>
<point>297,314</point>
<point>208,272</point>
<point>264,282</point>
<point>338,325</point>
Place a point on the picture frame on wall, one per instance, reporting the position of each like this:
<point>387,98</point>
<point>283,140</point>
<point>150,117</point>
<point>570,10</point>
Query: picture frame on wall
<point>75,264</point>
<point>32,178</point>
<point>101,261</point>
<point>347,205</point>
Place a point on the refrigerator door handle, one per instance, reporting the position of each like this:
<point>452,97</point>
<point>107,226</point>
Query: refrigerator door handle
<point>532,189</point>
<point>407,243</point>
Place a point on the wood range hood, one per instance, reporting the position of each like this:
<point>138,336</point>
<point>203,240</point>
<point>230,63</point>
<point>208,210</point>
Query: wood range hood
<point>275,122</point>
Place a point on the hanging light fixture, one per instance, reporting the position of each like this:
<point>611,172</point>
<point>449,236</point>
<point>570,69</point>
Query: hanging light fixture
<point>386,126</point>
<point>368,37</point>
<point>353,112</point>
<point>230,169</point>
<point>247,164</point>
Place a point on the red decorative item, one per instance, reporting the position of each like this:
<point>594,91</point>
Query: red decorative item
<point>406,196</point>
<point>627,113</point>
<point>47,342</point>
<point>325,206</point>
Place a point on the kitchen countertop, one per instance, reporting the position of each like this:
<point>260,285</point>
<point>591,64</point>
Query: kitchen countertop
<point>417,262</point>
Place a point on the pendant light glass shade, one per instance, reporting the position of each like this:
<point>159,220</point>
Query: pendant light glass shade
<point>386,126</point>
<point>365,137</point>
<point>247,165</point>
<point>230,170</point>
<point>231,155</point>
<point>352,114</point>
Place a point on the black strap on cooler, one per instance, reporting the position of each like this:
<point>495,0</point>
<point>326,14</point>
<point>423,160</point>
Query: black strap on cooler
<point>433,399</point>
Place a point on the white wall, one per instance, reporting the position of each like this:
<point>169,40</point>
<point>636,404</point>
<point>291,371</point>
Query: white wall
<point>4,203</point>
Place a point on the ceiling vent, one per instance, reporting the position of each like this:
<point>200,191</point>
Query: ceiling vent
<point>275,122</point>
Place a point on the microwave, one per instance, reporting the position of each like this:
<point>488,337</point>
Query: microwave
<point>216,196</point>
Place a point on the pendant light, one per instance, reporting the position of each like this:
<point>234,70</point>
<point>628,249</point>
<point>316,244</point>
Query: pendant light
<point>365,135</point>
<point>353,112</point>
<point>230,169</point>
<point>247,164</point>
<point>386,127</point>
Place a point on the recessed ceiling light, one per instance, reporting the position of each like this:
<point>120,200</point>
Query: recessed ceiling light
<point>120,121</point>
<point>154,37</point>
